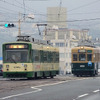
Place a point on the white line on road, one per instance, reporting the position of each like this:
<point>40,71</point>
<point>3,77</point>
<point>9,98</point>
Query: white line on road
<point>49,84</point>
<point>58,83</point>
<point>96,91</point>
<point>83,95</point>
<point>37,90</point>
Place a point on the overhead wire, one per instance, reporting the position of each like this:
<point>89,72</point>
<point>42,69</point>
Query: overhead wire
<point>59,11</point>
<point>82,6</point>
<point>42,14</point>
<point>25,8</point>
<point>58,21</point>
<point>60,5</point>
<point>85,13</point>
<point>8,9</point>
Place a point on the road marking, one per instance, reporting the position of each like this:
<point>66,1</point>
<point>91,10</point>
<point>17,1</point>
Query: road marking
<point>36,87</point>
<point>86,94</point>
<point>37,90</point>
<point>58,83</point>
<point>49,84</point>
<point>96,91</point>
<point>83,95</point>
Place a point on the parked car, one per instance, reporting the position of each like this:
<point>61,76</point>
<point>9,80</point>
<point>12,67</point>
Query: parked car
<point>1,70</point>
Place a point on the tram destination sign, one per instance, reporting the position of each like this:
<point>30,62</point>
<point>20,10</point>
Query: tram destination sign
<point>81,50</point>
<point>16,46</point>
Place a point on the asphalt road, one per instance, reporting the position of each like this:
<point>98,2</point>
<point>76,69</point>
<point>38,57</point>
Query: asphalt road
<point>95,96</point>
<point>83,89</point>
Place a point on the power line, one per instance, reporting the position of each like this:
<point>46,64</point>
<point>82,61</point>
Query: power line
<point>28,9</point>
<point>16,6</point>
<point>81,20</point>
<point>83,5</point>
<point>7,9</point>
<point>85,13</point>
<point>37,0</point>
<point>25,8</point>
<point>57,21</point>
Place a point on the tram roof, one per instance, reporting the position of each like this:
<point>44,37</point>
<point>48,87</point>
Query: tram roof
<point>38,46</point>
<point>83,47</point>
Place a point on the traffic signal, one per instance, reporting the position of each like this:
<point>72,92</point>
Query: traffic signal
<point>9,25</point>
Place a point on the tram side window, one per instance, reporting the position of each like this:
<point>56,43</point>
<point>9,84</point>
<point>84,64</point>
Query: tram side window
<point>36,55</point>
<point>89,57</point>
<point>56,57</point>
<point>82,57</point>
<point>45,55</point>
<point>74,57</point>
<point>51,57</point>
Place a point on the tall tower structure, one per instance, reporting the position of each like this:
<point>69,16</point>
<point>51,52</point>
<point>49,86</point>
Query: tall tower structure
<point>57,16</point>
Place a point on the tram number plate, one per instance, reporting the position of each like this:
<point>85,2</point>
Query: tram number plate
<point>82,65</point>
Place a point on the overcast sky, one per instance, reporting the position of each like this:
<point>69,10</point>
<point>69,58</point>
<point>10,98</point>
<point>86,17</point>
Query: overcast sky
<point>76,10</point>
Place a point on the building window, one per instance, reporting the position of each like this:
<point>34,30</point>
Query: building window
<point>51,44</point>
<point>66,64</point>
<point>57,44</point>
<point>66,44</point>
<point>66,55</point>
<point>61,44</point>
<point>62,55</point>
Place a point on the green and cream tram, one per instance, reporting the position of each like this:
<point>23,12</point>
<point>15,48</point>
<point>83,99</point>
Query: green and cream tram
<point>25,59</point>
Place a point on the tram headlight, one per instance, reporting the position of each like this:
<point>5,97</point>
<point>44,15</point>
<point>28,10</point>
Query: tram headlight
<point>81,47</point>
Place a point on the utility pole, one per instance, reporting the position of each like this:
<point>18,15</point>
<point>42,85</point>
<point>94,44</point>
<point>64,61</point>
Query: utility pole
<point>65,55</point>
<point>19,30</point>
<point>24,9</point>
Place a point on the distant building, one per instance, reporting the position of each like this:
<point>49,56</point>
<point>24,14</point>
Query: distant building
<point>57,16</point>
<point>96,42</point>
<point>62,37</point>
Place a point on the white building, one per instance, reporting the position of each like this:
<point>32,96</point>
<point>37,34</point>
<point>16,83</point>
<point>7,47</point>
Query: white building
<point>62,37</point>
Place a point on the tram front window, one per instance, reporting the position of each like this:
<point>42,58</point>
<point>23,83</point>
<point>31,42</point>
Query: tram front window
<point>74,57</point>
<point>82,57</point>
<point>89,57</point>
<point>16,56</point>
